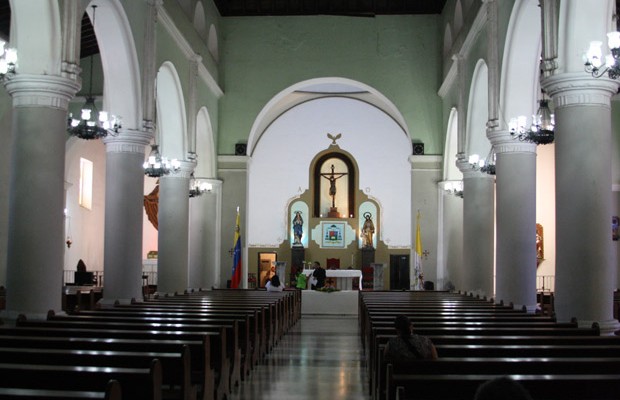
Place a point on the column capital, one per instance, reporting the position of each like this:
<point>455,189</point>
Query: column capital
<point>41,90</point>
<point>578,88</point>
<point>128,141</point>
<point>504,142</point>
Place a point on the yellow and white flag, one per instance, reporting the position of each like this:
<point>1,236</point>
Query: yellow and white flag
<point>417,281</point>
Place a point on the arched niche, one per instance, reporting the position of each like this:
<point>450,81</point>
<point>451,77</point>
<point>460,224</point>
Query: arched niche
<point>334,178</point>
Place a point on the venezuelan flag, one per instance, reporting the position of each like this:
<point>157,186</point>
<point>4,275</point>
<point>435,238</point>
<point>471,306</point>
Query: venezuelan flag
<point>236,269</point>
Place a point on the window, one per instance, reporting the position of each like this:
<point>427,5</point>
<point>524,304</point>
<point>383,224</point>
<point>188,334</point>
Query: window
<point>85,198</point>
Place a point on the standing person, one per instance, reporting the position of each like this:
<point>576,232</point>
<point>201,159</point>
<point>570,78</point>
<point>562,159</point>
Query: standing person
<point>274,285</point>
<point>407,345</point>
<point>320,275</point>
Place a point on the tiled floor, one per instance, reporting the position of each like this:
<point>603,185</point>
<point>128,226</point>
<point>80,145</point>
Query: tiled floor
<point>320,358</point>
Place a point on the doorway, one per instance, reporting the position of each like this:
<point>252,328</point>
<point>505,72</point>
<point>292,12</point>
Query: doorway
<point>399,272</point>
<point>266,267</point>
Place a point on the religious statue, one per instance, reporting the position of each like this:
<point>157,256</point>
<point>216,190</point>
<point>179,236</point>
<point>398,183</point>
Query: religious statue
<point>298,229</point>
<point>368,230</point>
<point>332,177</point>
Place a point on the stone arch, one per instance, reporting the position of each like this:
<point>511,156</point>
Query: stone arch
<point>458,17</point>
<point>520,87</point>
<point>450,170</point>
<point>171,121</point>
<point>41,56</point>
<point>205,146</point>
<point>200,23</point>
<point>212,43</point>
<point>447,40</point>
<point>477,110</point>
<point>121,95</point>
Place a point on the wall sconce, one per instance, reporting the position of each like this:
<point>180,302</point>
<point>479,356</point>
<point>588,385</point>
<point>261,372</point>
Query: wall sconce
<point>156,165</point>
<point>8,61</point>
<point>198,187</point>
<point>455,188</point>
<point>483,165</point>
<point>594,63</point>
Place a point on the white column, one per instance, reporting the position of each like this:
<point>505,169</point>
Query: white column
<point>205,237</point>
<point>515,221</point>
<point>124,200</point>
<point>35,249</point>
<point>173,237</point>
<point>585,273</point>
<point>478,230</point>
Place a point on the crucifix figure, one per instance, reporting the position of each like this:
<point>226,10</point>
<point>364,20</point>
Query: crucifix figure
<point>332,177</point>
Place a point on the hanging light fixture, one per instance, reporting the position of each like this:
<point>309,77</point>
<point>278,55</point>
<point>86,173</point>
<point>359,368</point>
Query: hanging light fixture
<point>197,187</point>
<point>483,165</point>
<point>597,65</point>
<point>93,124</point>
<point>8,61</point>
<point>540,131</point>
<point>156,165</point>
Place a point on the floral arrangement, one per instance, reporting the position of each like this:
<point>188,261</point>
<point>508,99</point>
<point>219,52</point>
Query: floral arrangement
<point>328,289</point>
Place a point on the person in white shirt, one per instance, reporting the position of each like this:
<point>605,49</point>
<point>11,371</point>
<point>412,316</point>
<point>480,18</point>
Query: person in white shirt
<point>274,285</point>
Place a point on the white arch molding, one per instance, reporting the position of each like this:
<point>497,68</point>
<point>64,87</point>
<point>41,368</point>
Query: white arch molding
<point>205,146</point>
<point>477,112</point>
<point>121,92</point>
<point>171,121</point>
<point>320,87</point>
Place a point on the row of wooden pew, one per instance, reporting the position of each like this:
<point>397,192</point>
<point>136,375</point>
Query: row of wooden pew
<point>196,345</point>
<point>477,341</point>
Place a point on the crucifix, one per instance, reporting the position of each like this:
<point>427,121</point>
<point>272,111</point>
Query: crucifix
<point>332,177</point>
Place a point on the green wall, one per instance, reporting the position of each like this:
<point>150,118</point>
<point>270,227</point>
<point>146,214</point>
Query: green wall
<point>400,56</point>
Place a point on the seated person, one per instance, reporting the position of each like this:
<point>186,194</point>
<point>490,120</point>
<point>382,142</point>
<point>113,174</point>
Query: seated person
<point>502,388</point>
<point>407,345</point>
<point>274,285</point>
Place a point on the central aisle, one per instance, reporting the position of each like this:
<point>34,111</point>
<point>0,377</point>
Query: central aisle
<point>321,357</point>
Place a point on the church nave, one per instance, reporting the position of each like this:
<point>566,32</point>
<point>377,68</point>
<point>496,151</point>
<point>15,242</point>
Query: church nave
<point>321,357</point>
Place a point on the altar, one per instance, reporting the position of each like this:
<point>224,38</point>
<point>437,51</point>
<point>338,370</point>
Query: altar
<point>344,277</point>
<point>314,302</point>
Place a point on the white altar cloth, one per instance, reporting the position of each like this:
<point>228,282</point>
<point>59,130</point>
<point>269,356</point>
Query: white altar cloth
<point>314,302</point>
<point>340,275</point>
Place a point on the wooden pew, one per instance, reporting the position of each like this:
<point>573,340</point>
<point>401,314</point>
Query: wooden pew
<point>241,352</point>
<point>229,367</point>
<point>501,366</point>
<point>210,364</point>
<point>201,378</point>
<point>249,324</point>
<point>176,373</point>
<point>112,392</point>
<point>548,387</point>
<point>136,383</point>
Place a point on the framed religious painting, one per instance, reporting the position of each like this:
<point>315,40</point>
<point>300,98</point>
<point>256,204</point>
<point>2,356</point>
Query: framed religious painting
<point>332,234</point>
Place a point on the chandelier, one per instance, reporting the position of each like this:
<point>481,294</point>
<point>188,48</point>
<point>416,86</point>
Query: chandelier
<point>8,61</point>
<point>93,124</point>
<point>197,188</point>
<point>156,165</point>
<point>483,165</point>
<point>594,63</point>
<point>540,131</point>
